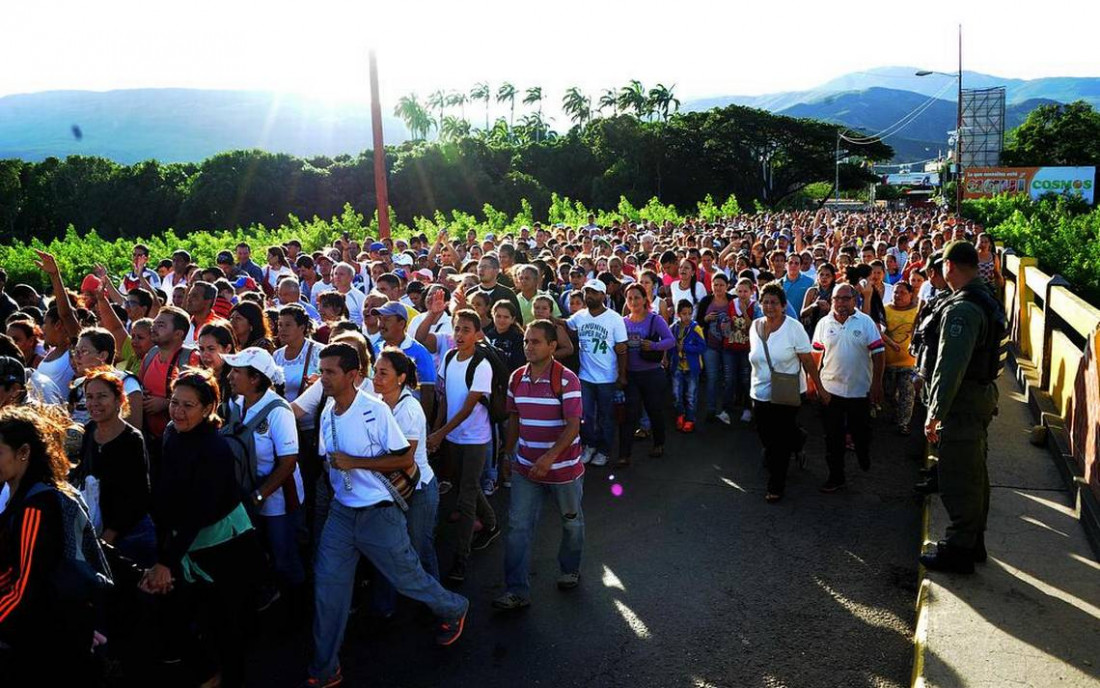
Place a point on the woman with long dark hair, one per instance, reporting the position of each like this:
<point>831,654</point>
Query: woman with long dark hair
<point>395,379</point>
<point>250,326</point>
<point>648,336</point>
<point>216,339</point>
<point>204,536</point>
<point>46,615</point>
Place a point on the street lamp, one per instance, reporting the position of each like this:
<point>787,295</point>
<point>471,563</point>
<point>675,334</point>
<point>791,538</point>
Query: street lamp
<point>958,122</point>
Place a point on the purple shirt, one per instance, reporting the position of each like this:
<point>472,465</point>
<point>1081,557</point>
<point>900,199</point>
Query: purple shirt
<point>652,326</point>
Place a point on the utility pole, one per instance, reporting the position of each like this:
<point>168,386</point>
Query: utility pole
<point>836,181</point>
<point>959,133</point>
<point>380,191</point>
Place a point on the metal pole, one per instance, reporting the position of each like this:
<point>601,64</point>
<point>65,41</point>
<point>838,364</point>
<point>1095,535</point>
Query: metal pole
<point>836,182</point>
<point>380,191</point>
<point>959,132</point>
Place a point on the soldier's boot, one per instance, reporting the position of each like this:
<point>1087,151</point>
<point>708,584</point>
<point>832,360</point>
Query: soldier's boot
<point>949,559</point>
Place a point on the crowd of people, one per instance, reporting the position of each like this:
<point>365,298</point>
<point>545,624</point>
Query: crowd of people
<point>220,439</point>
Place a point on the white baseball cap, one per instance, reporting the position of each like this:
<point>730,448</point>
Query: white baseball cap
<point>594,284</point>
<point>255,357</point>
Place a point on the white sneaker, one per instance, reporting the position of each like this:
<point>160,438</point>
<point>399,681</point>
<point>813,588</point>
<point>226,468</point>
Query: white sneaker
<point>586,455</point>
<point>746,416</point>
<point>724,417</point>
<point>599,459</point>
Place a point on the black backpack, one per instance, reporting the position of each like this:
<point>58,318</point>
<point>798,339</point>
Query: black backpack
<point>241,438</point>
<point>497,400</point>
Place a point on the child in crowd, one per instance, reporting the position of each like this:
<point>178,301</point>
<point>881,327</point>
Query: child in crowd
<point>686,361</point>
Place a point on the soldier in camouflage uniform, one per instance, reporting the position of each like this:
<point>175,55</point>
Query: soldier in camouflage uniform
<point>962,400</point>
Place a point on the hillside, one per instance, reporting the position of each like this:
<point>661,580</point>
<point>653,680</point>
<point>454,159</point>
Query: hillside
<point>180,125</point>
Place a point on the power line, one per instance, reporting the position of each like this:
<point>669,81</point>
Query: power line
<point>896,126</point>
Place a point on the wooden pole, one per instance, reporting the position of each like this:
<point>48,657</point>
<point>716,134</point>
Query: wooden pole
<point>380,191</point>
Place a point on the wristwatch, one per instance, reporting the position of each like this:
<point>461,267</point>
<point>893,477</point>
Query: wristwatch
<point>258,497</point>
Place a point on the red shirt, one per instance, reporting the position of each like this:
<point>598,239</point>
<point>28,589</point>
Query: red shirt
<point>542,417</point>
<point>156,379</point>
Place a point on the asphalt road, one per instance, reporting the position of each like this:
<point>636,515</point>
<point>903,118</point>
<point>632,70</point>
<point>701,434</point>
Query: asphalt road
<point>689,579</point>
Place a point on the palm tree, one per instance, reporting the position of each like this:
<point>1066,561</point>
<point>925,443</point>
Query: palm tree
<point>438,100</point>
<point>480,91</point>
<point>577,106</point>
<point>500,134</point>
<point>415,117</point>
<point>633,97</point>
<point>609,99</point>
<point>534,95</point>
<point>458,99</point>
<point>508,92</point>
<point>453,128</point>
<point>661,99</point>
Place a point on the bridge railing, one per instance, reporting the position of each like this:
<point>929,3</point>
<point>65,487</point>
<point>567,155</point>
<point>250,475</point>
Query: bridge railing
<point>1058,334</point>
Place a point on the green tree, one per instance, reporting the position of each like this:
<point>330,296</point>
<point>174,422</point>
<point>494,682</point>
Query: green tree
<point>661,100</point>
<point>438,101</point>
<point>481,91</point>
<point>533,96</point>
<point>507,92</point>
<point>416,118</point>
<point>458,99</point>
<point>609,99</point>
<point>577,106</point>
<point>1056,134</point>
<point>453,128</point>
<point>633,96</point>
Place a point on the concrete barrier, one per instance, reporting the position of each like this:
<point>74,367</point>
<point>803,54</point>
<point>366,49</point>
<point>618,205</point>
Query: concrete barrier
<point>1056,336</point>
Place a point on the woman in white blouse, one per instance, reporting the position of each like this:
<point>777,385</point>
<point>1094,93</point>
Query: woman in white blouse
<point>788,347</point>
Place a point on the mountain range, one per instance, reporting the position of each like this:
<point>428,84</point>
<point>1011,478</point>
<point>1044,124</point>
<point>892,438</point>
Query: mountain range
<point>181,125</point>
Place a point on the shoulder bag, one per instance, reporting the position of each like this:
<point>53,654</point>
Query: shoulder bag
<point>786,387</point>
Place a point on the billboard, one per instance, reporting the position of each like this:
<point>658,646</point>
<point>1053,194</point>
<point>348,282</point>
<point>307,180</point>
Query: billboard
<point>983,127</point>
<point>984,182</point>
<point>912,179</point>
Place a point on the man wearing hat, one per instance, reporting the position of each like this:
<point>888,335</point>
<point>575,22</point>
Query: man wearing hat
<point>602,337</point>
<point>13,382</point>
<point>393,328</point>
<point>228,267</point>
<point>962,399</point>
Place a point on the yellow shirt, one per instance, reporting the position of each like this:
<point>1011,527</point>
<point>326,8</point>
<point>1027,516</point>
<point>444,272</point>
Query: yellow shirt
<point>899,328</point>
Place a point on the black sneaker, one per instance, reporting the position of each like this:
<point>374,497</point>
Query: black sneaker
<point>457,574</point>
<point>484,538</point>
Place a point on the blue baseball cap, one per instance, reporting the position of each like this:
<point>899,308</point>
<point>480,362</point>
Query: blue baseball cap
<point>391,308</point>
<point>377,246</point>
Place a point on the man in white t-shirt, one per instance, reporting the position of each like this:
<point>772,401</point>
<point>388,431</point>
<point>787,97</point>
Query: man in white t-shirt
<point>463,425</point>
<point>601,334</point>
<point>852,362</point>
<point>342,275</point>
<point>362,441</point>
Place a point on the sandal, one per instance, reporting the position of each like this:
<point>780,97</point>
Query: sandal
<point>641,434</point>
<point>657,452</point>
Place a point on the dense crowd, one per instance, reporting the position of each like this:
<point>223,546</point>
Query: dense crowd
<point>220,439</point>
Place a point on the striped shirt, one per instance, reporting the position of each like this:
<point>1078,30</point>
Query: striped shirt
<point>542,416</point>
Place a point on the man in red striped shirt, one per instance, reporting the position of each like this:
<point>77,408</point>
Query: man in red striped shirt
<point>544,403</point>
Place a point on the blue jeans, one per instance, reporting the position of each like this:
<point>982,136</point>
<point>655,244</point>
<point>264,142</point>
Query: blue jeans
<point>523,520</point>
<point>598,428</point>
<point>685,392</point>
<point>742,378</point>
<point>423,509</point>
<point>381,534</point>
<point>719,366</point>
<point>281,535</point>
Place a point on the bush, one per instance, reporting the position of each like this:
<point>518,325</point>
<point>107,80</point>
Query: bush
<point>77,254</point>
<point>1063,234</point>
